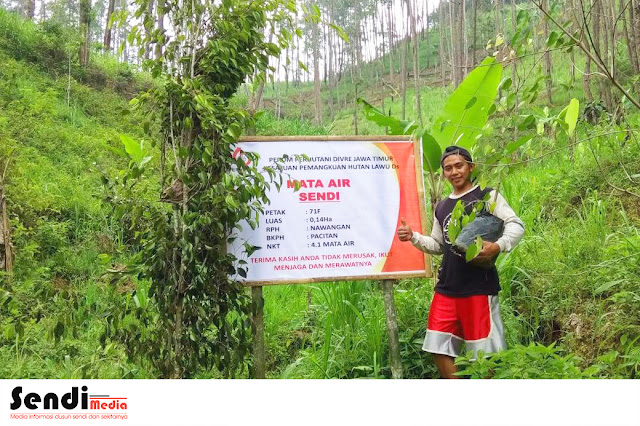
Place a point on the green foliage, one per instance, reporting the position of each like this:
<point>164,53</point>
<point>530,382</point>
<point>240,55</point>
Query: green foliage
<point>473,250</point>
<point>395,126</point>
<point>52,47</point>
<point>342,333</point>
<point>43,45</point>
<point>431,152</point>
<point>50,312</point>
<point>461,217</point>
<point>620,364</point>
<point>571,113</point>
<point>268,124</point>
<point>462,120</point>
<point>522,362</point>
<point>200,318</point>
<point>467,109</point>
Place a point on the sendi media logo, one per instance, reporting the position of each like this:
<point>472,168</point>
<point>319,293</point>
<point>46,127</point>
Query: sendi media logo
<point>69,401</point>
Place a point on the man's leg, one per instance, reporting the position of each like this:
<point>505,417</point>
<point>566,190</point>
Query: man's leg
<point>482,324</point>
<point>444,334</point>
<point>446,366</point>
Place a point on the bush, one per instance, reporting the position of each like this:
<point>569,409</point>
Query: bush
<point>523,362</point>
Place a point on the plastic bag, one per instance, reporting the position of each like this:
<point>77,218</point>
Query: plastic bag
<point>487,226</point>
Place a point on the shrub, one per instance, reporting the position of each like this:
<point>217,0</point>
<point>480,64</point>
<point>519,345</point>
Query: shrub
<point>523,362</point>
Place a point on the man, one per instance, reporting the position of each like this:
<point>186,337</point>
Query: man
<point>465,305</point>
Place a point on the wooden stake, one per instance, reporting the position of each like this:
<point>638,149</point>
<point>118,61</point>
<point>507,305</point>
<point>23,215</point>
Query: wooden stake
<point>6,252</point>
<point>6,248</point>
<point>257,328</point>
<point>392,328</point>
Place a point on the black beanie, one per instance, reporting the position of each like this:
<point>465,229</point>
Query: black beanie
<point>456,150</point>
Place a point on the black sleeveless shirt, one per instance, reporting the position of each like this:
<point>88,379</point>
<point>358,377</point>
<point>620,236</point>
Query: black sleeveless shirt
<point>456,277</point>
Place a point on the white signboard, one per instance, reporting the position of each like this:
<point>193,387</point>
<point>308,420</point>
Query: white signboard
<point>337,212</point>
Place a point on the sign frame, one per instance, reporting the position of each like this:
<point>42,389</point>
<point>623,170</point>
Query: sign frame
<point>421,202</point>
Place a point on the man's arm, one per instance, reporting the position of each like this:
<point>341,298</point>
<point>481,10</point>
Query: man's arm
<point>429,244</point>
<point>513,225</point>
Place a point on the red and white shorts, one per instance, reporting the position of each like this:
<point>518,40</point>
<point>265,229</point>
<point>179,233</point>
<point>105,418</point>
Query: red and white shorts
<point>474,321</point>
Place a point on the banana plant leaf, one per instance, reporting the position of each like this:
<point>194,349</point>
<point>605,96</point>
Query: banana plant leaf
<point>466,111</point>
<point>396,127</point>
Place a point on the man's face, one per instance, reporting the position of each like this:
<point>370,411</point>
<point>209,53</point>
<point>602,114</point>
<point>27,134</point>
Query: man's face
<point>457,170</point>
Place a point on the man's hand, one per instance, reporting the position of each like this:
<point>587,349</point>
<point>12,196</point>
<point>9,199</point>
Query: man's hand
<point>488,253</point>
<point>404,231</point>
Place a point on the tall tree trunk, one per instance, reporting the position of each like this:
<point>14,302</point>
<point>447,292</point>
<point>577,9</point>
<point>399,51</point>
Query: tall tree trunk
<point>123,35</point>
<point>514,77</point>
<point>576,24</point>
<point>255,100</point>
<point>147,46</point>
<point>358,49</point>
<point>366,42</point>
<point>43,10</point>
<point>30,9</point>
<point>125,47</point>
<point>586,84</point>
<point>6,249</point>
<point>390,22</point>
<point>611,22</point>
<point>329,42</point>
<point>635,22</point>
<point>428,31</point>
<point>441,23</point>
<point>634,14</point>
<point>403,77</point>
<point>160,25</point>
<point>384,42</point>
<point>316,72</point>
<point>107,28</point>
<point>298,64</point>
<point>324,58</point>
<point>455,71</point>
<point>474,5</point>
<point>596,39</point>
<point>496,17</point>
<point>286,71</point>
<point>85,31</point>
<point>606,90</point>
<point>462,28</point>
<point>290,67</point>
<point>355,97</point>
<point>547,54</point>
<point>416,64</point>
<point>631,36</point>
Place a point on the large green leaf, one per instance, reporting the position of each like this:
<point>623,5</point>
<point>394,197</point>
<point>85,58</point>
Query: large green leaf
<point>133,148</point>
<point>396,127</point>
<point>571,117</point>
<point>512,146</point>
<point>342,33</point>
<point>431,152</point>
<point>463,117</point>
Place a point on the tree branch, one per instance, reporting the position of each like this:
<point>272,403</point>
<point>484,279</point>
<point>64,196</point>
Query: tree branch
<point>557,149</point>
<point>587,52</point>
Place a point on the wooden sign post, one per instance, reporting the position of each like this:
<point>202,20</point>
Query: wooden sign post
<point>392,328</point>
<point>257,328</point>
<point>333,217</point>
